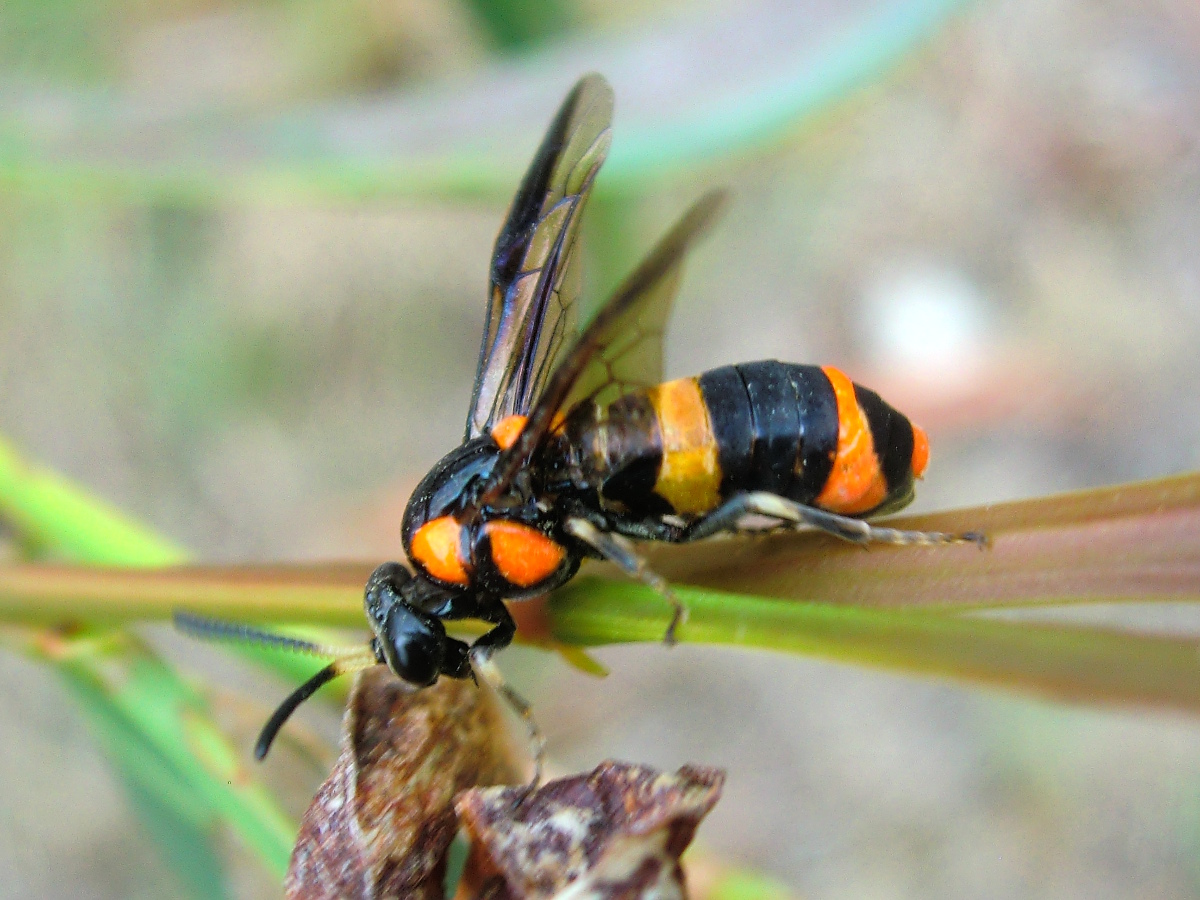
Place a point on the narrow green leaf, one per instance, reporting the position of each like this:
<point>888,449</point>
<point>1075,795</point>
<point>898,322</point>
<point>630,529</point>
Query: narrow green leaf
<point>154,729</point>
<point>174,816</point>
<point>1135,542</point>
<point>47,594</point>
<point>1058,661</point>
<point>857,47</point>
<point>48,509</point>
<point>743,885</point>
<point>516,25</point>
<point>162,737</point>
<point>1139,543</point>
<point>1132,542</point>
<point>188,850</point>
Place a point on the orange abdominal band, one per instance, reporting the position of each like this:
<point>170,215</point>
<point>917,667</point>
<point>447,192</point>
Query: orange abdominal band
<point>523,555</point>
<point>437,548</point>
<point>856,482</point>
<point>689,477</point>
<point>920,457</point>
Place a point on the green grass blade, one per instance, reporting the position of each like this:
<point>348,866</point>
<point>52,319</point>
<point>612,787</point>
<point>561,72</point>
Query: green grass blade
<point>1135,542</point>
<point>744,885</point>
<point>1061,662</point>
<point>516,25</point>
<point>1128,543</point>
<point>173,815</point>
<point>154,729</point>
<point>188,849</point>
<point>48,510</point>
<point>798,593</point>
<point>160,735</point>
<point>861,49</point>
<point>46,594</point>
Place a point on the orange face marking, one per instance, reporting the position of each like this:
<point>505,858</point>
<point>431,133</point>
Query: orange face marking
<point>508,429</point>
<point>523,555</point>
<point>920,457</point>
<point>856,482</point>
<point>690,475</point>
<point>437,548</point>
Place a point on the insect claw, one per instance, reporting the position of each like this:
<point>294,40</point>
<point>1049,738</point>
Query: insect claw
<point>976,537</point>
<point>678,617</point>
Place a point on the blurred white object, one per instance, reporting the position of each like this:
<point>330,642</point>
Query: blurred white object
<point>927,322</point>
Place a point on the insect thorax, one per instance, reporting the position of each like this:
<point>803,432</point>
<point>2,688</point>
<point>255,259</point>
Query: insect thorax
<point>450,484</point>
<point>507,550</point>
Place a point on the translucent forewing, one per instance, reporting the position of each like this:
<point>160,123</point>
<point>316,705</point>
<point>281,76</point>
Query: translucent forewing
<point>532,307</point>
<point>610,350</point>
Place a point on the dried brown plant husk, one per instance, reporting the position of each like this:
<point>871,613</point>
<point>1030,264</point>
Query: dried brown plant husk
<point>381,824</point>
<point>616,832</point>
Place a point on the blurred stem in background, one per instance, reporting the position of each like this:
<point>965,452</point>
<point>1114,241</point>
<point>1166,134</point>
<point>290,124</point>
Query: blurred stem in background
<point>185,779</point>
<point>516,26</point>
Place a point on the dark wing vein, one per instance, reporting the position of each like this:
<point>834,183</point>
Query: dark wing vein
<point>620,346</point>
<point>532,307</point>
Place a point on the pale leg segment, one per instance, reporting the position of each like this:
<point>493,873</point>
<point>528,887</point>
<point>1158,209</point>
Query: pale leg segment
<point>488,671</point>
<point>621,551</point>
<point>726,517</point>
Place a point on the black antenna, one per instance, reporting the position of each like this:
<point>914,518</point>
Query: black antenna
<point>346,659</point>
<point>267,736</point>
<point>219,630</point>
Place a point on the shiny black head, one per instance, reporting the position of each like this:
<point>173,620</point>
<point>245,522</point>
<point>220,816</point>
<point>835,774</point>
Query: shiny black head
<point>409,639</point>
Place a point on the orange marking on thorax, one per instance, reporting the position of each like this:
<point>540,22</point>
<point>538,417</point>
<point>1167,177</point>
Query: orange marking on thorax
<point>437,548</point>
<point>690,475</point>
<point>508,429</point>
<point>523,555</point>
<point>856,482</point>
<point>920,457</point>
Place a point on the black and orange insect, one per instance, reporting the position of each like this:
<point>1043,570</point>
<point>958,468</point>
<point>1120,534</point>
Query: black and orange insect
<point>574,447</point>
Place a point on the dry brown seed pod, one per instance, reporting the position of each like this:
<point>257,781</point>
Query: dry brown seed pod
<point>381,823</point>
<point>616,832</point>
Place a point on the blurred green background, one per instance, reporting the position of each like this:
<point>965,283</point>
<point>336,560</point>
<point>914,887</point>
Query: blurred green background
<point>243,251</point>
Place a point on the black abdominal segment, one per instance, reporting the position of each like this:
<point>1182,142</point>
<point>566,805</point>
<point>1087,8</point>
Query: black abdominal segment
<point>762,426</point>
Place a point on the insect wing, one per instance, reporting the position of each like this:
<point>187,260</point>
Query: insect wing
<point>628,352</point>
<point>622,345</point>
<point>535,278</point>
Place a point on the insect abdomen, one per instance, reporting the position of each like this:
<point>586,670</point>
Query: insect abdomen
<point>803,432</point>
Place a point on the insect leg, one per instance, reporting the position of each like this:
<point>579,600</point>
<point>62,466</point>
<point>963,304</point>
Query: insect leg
<point>480,654</point>
<point>502,634</point>
<point>648,529</point>
<point>490,673</point>
<point>620,551</point>
<point>726,517</point>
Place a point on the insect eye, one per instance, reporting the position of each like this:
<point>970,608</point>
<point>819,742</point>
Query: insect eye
<point>414,644</point>
<point>383,592</point>
<point>411,641</point>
